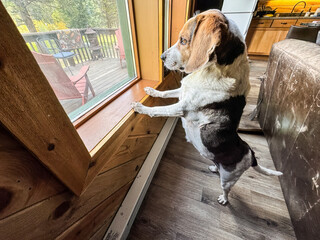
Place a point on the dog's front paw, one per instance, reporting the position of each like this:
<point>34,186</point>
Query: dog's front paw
<point>137,107</point>
<point>222,200</point>
<point>150,91</point>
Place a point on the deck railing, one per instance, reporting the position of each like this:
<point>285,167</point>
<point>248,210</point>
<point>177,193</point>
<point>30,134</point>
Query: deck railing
<point>106,37</point>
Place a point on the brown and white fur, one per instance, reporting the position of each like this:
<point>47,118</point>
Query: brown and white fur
<point>212,97</point>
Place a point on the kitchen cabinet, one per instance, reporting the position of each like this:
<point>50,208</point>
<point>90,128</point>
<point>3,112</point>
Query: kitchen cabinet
<point>286,23</point>
<point>261,23</point>
<point>263,33</point>
<point>308,20</point>
<point>260,40</point>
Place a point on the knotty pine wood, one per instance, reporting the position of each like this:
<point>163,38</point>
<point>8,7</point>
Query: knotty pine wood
<point>100,216</point>
<point>147,125</point>
<point>23,179</point>
<point>131,148</point>
<point>181,202</point>
<point>48,197</point>
<point>32,112</point>
<point>49,218</point>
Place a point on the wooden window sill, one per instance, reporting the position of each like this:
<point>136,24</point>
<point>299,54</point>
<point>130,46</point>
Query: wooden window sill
<point>97,127</point>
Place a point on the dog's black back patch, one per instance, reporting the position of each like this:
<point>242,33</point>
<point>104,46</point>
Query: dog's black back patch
<point>220,135</point>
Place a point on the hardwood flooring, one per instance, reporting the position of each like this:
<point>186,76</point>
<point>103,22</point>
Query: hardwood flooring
<point>257,69</point>
<point>181,202</point>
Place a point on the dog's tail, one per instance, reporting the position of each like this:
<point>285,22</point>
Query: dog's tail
<point>266,171</point>
<point>261,169</point>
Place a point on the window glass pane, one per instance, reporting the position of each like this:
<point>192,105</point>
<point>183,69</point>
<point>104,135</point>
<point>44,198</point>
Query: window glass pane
<point>83,47</point>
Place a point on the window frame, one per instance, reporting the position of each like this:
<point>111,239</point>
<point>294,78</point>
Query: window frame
<point>89,114</point>
<point>40,122</point>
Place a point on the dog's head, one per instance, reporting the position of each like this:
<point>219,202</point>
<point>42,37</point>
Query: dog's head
<point>204,38</point>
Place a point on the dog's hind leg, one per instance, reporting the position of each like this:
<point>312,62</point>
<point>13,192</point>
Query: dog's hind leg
<point>213,168</point>
<point>229,177</point>
<point>226,187</point>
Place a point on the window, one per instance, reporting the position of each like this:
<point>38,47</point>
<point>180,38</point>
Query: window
<point>83,47</point>
<point>31,111</point>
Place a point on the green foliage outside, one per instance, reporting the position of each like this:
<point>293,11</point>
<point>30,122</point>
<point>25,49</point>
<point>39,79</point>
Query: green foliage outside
<point>47,15</point>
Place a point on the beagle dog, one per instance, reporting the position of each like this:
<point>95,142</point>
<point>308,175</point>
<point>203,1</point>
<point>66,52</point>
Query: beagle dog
<point>212,97</point>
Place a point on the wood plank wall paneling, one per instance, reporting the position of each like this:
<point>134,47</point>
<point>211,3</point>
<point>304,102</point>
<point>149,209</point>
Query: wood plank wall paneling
<point>53,210</point>
<point>86,227</point>
<point>131,148</point>
<point>57,213</point>
<point>179,8</point>
<point>148,46</point>
<point>127,126</point>
<point>27,100</point>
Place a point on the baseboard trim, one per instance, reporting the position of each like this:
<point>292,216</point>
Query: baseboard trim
<point>122,222</point>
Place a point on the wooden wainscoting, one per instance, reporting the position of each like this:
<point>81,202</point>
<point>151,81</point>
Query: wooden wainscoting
<point>32,198</point>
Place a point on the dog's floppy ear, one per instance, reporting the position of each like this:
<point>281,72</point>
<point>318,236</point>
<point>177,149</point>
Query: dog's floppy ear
<point>206,36</point>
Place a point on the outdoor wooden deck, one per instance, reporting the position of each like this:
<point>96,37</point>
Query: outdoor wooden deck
<point>103,74</point>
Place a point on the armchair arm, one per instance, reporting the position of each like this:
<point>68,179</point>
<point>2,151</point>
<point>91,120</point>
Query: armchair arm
<point>83,71</point>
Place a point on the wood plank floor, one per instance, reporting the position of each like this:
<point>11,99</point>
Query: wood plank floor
<point>103,74</point>
<point>181,202</point>
<point>257,69</point>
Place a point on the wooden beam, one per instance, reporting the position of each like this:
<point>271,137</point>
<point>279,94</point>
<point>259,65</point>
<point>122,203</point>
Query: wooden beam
<point>31,111</point>
<point>23,179</point>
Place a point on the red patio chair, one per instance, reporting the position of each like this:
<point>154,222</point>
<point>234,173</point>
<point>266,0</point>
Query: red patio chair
<point>64,87</point>
<point>119,47</point>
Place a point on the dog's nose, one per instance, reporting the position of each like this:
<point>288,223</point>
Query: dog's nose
<point>163,57</point>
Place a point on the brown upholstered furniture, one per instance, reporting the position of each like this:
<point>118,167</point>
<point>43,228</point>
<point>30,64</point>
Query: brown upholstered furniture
<point>305,33</point>
<point>289,115</point>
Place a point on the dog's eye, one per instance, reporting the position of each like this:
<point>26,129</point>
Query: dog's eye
<point>183,41</point>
